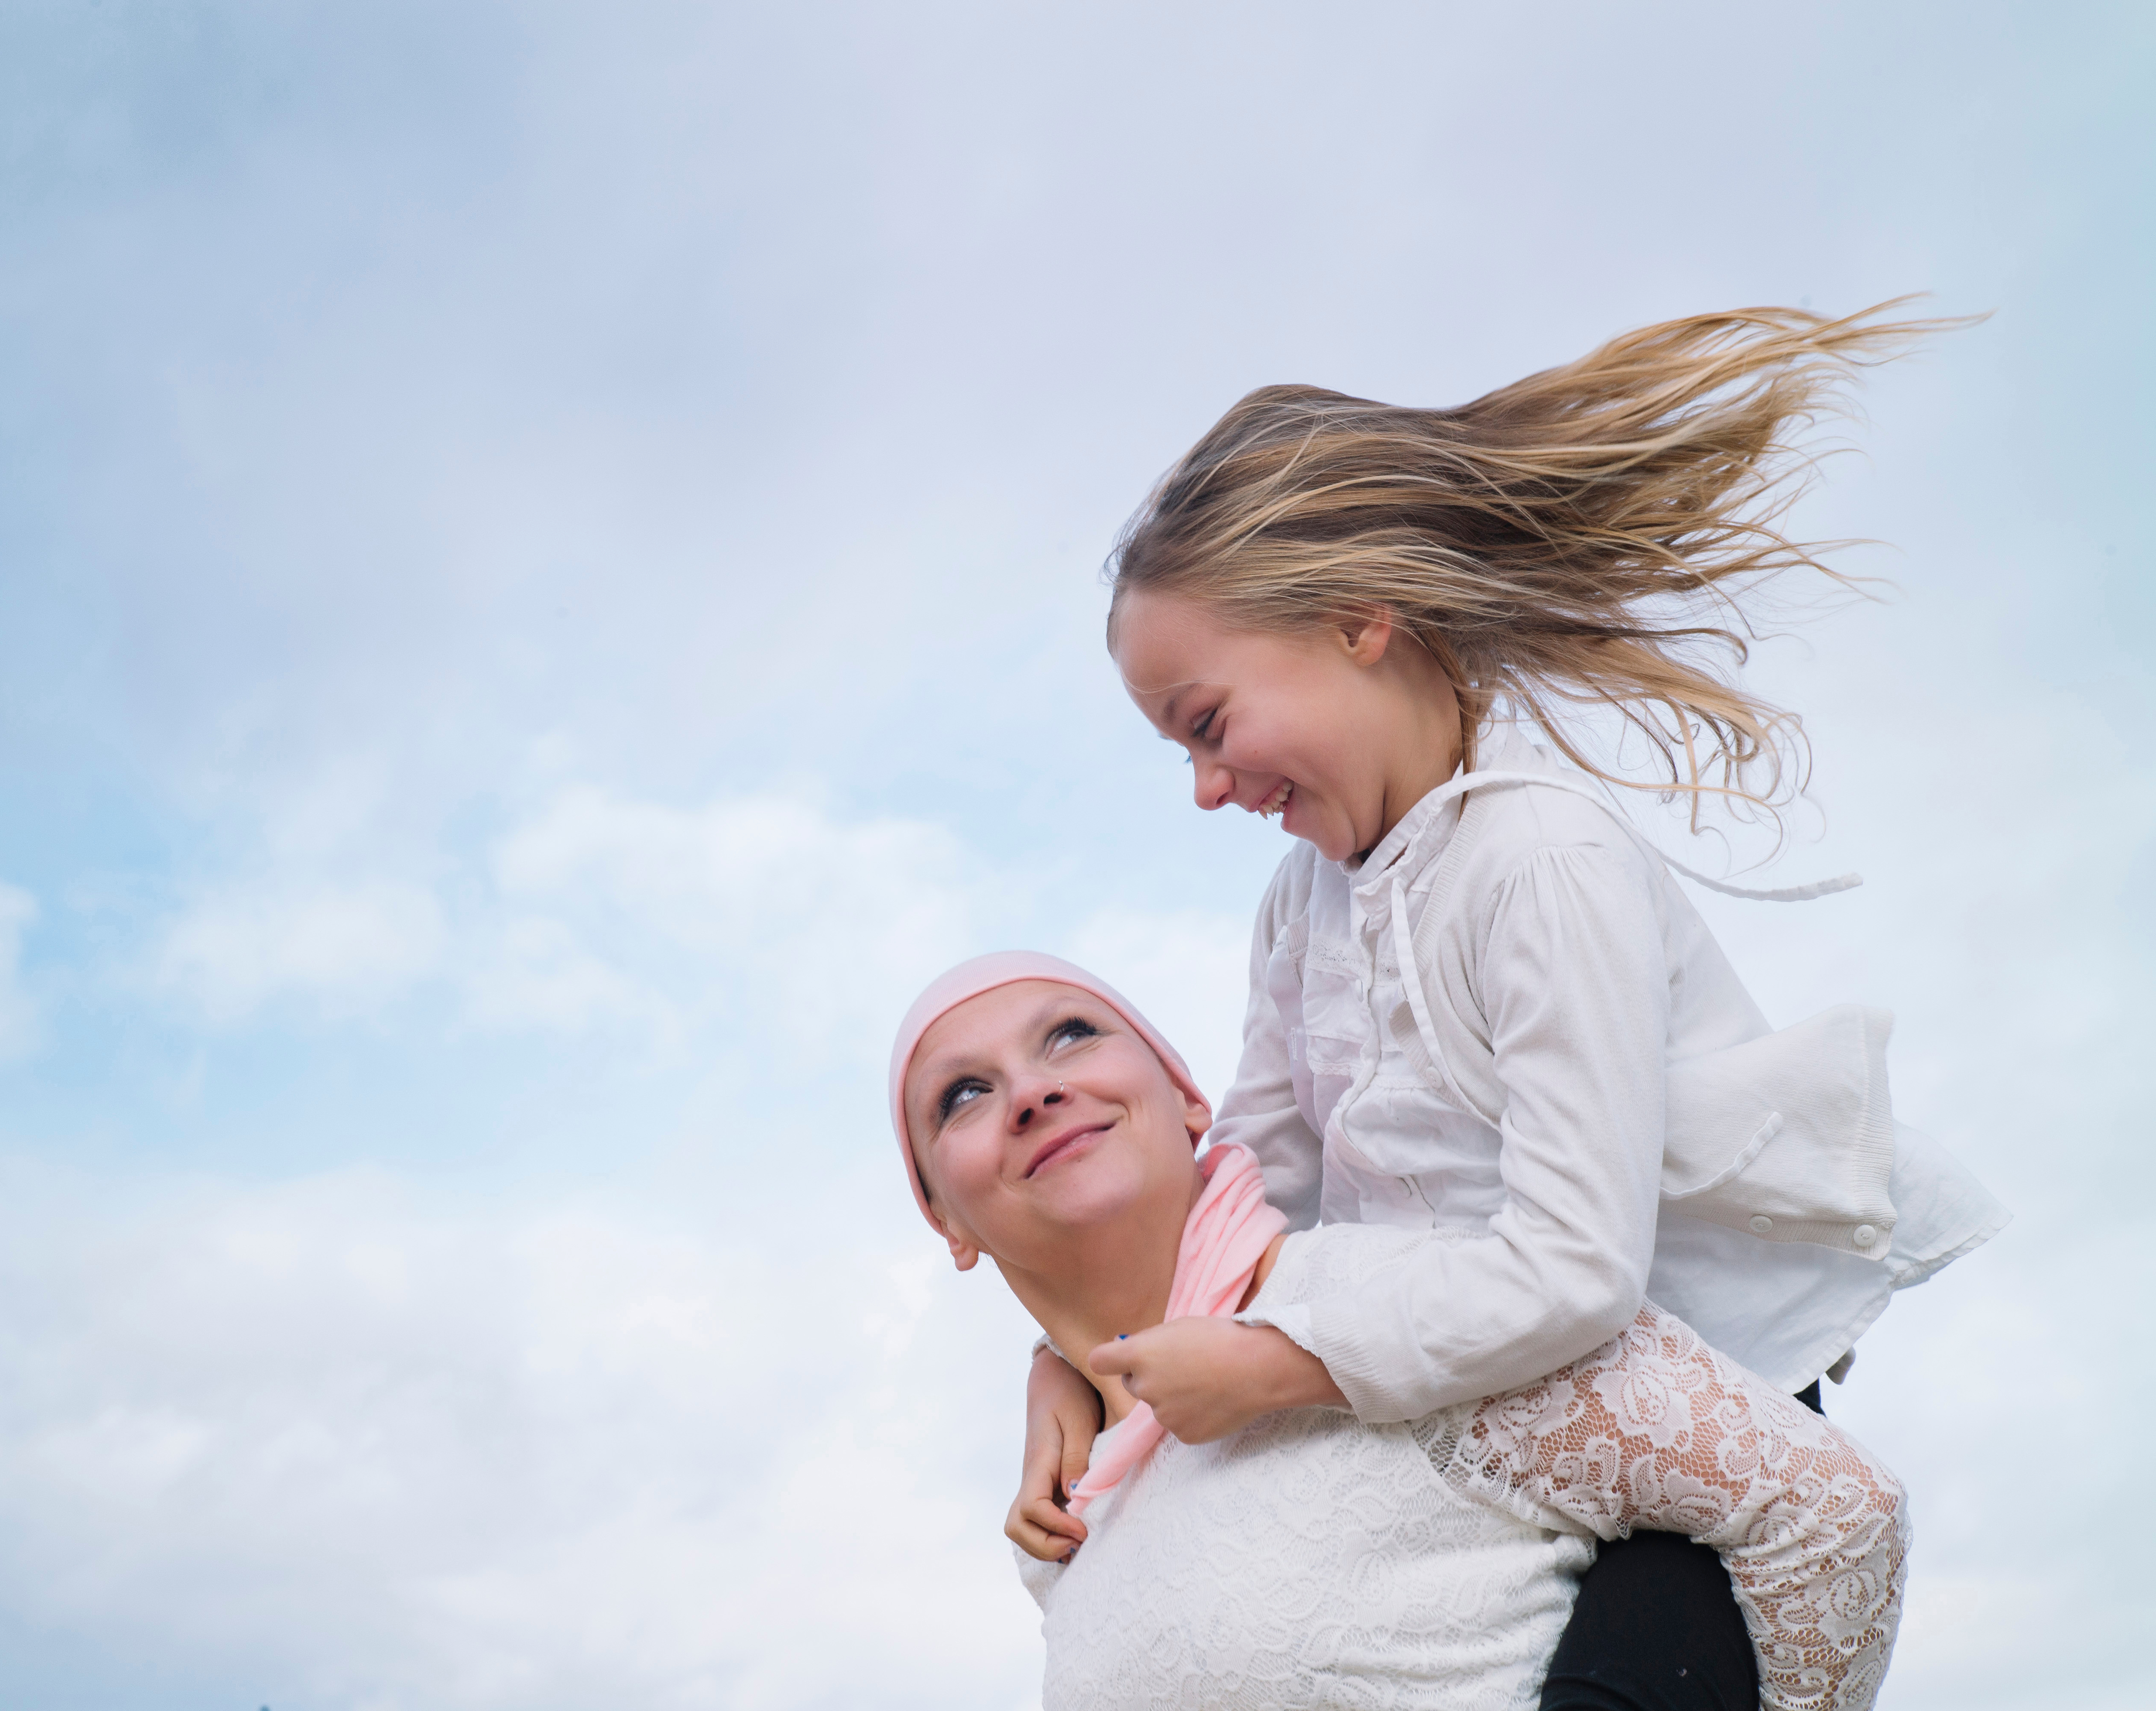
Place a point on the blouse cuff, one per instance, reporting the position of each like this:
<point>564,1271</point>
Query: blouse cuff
<point>1044,1341</point>
<point>1292,1321</point>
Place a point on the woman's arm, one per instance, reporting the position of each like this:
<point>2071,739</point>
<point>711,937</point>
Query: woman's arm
<point>1656,1429</point>
<point>1574,988</point>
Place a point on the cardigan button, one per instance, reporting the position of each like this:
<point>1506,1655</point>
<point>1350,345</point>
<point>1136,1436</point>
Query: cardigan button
<point>1761,1223</point>
<point>1865,1235</point>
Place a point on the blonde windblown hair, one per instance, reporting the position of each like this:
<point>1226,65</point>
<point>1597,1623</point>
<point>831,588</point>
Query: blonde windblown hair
<point>1581,539</point>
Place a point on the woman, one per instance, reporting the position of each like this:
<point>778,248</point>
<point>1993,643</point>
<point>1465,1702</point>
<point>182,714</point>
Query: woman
<point>1309,1559</point>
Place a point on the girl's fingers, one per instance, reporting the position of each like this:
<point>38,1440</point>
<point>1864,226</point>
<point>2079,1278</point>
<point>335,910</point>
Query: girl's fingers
<point>1035,1541</point>
<point>1053,1518</point>
<point>1037,1480</point>
<point>1041,1547</point>
<point>1074,1459</point>
<point>1043,1531</point>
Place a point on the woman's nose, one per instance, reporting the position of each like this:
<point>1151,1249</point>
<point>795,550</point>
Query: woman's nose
<point>1034,1100</point>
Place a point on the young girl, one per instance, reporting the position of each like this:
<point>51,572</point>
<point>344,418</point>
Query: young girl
<point>1478,1001</point>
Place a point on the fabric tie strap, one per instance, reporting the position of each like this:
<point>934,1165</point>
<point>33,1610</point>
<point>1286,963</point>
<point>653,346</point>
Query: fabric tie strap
<point>1226,1234</point>
<point>1465,782</point>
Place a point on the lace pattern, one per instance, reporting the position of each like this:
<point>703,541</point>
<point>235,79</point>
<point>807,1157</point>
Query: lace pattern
<point>1656,1429</point>
<point>1308,1563</point>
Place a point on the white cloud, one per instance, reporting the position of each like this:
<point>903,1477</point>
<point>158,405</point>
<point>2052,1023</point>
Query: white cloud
<point>819,929</point>
<point>767,916</point>
<point>540,975</point>
<point>21,1031</point>
<point>813,926</point>
<point>1188,969</point>
<point>345,947</point>
<point>393,1454</point>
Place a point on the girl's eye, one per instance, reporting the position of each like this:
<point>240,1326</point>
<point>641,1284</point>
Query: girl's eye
<point>1203,728</point>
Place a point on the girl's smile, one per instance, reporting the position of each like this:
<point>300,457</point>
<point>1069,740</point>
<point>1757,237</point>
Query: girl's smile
<point>1335,731</point>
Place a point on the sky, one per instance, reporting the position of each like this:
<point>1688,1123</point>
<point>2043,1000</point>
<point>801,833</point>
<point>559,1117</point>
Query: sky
<point>550,576</point>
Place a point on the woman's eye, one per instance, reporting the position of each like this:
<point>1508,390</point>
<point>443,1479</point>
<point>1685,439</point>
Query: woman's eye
<point>958,1095</point>
<point>1075,1029</point>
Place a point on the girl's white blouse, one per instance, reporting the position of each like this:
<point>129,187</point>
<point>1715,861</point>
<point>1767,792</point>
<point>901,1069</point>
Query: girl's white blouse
<point>1312,1560</point>
<point>1591,973</point>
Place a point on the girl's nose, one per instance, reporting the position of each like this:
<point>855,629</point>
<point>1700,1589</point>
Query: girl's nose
<point>1212,785</point>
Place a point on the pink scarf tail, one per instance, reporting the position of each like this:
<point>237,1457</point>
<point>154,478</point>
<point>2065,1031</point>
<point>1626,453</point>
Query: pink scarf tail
<point>1227,1233</point>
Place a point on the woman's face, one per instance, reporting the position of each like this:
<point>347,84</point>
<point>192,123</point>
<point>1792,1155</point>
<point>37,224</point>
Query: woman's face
<point>1036,1113</point>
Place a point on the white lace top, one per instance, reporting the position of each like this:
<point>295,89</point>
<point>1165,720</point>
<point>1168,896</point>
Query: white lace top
<point>1311,1561</point>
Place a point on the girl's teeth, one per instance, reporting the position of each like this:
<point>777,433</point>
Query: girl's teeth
<point>1276,803</point>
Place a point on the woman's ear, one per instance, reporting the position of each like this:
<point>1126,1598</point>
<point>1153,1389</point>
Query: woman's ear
<point>965,1252</point>
<point>1197,1115</point>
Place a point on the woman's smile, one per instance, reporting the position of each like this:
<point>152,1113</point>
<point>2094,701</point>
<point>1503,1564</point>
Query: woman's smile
<point>1057,1148</point>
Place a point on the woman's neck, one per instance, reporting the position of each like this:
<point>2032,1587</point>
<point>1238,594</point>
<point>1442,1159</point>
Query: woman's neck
<point>1111,1299</point>
<point>1109,1281</point>
<point>1084,1311</point>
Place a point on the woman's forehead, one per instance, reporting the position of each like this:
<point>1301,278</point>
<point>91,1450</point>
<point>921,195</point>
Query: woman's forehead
<point>990,1021</point>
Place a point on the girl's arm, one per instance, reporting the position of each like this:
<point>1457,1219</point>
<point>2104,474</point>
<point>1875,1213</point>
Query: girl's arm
<point>1260,1111</point>
<point>1062,1419</point>
<point>1656,1429</point>
<point>1574,984</point>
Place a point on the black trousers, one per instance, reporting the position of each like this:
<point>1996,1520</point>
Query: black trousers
<point>1656,1628</point>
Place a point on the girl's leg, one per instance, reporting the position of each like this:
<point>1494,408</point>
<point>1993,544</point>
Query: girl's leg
<point>1656,1628</point>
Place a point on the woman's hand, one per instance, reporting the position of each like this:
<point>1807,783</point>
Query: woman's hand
<point>1205,1378</point>
<point>1062,1419</point>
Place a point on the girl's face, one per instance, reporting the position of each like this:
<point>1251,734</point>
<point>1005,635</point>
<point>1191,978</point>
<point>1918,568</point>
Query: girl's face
<point>1036,1113</point>
<point>1338,730</point>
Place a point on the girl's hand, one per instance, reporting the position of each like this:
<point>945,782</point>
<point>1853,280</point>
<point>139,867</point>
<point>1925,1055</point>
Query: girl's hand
<point>1205,1378</point>
<point>1062,1419</point>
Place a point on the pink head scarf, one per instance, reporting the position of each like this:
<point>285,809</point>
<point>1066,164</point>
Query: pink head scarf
<point>970,979</point>
<point>1230,1227</point>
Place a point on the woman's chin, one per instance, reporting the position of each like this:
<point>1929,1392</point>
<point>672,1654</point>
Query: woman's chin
<point>1088,1190</point>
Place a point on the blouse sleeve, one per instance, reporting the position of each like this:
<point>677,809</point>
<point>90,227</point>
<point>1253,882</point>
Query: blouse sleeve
<point>1573,983</point>
<point>1259,1110</point>
<point>1656,1429</point>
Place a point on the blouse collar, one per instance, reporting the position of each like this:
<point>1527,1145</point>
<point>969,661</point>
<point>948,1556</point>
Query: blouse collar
<point>1424,829</point>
